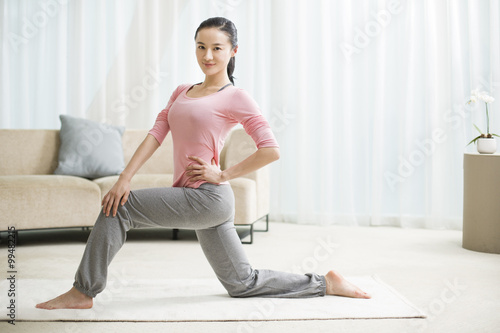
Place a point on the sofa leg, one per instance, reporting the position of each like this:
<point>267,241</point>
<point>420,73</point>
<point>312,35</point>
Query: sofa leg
<point>267,224</point>
<point>251,236</point>
<point>175,234</point>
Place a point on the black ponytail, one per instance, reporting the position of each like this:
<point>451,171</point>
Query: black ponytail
<point>229,28</point>
<point>230,69</point>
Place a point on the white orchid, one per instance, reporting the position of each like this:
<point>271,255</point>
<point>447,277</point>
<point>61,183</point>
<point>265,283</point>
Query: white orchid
<point>483,96</point>
<point>487,99</point>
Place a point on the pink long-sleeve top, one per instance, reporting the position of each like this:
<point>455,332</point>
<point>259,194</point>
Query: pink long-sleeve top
<point>200,125</point>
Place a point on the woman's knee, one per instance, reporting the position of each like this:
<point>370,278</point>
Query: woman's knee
<point>236,292</point>
<point>241,287</point>
<point>113,222</point>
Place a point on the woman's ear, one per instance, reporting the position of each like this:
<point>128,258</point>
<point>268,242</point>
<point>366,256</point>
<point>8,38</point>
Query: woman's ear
<point>234,51</point>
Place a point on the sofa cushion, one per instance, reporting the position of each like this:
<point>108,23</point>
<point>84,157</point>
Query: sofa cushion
<point>139,181</point>
<point>47,201</point>
<point>89,149</point>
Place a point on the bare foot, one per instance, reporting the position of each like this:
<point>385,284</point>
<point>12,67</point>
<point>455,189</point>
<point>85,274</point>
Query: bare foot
<point>337,285</point>
<point>73,299</point>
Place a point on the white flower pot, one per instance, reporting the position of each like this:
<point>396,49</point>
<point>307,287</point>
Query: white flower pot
<point>486,145</point>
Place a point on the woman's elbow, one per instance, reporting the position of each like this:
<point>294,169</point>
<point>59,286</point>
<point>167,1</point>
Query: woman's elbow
<point>269,154</point>
<point>275,154</point>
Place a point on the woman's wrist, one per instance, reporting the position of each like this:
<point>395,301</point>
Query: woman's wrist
<point>125,176</point>
<point>224,177</point>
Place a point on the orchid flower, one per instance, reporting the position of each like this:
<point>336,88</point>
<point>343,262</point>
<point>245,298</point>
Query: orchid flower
<point>477,95</point>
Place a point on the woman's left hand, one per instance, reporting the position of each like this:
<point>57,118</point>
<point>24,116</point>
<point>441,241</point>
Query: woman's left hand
<point>204,171</point>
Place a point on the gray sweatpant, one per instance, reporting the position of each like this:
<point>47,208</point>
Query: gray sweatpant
<point>209,210</point>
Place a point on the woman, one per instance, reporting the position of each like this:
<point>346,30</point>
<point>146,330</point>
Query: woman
<point>199,117</point>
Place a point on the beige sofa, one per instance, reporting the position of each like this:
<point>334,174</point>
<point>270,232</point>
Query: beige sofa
<point>32,197</point>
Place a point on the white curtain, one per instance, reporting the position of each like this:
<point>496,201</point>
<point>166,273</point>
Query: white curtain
<point>366,98</point>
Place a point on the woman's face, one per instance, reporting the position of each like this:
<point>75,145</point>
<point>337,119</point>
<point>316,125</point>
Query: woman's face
<point>213,51</point>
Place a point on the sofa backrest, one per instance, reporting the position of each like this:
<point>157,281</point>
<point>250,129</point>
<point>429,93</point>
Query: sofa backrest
<point>35,152</point>
<point>162,159</point>
<point>28,152</point>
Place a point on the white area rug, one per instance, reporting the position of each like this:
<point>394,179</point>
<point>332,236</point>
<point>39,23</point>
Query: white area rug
<point>203,300</point>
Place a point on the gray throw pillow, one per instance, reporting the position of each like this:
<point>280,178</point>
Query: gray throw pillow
<point>89,149</point>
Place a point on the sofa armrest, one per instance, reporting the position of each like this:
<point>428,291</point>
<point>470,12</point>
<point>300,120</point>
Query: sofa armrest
<point>239,145</point>
<point>245,195</point>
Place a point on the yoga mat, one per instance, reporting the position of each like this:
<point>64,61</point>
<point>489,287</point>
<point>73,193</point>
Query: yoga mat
<point>188,300</point>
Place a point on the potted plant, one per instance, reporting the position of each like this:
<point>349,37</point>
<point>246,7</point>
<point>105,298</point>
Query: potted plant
<point>486,143</point>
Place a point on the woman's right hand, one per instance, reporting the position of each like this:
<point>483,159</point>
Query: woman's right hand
<point>117,195</point>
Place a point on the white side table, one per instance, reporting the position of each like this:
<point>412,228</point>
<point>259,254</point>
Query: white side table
<point>481,220</point>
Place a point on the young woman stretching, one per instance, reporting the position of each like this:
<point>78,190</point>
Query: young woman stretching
<point>199,117</point>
